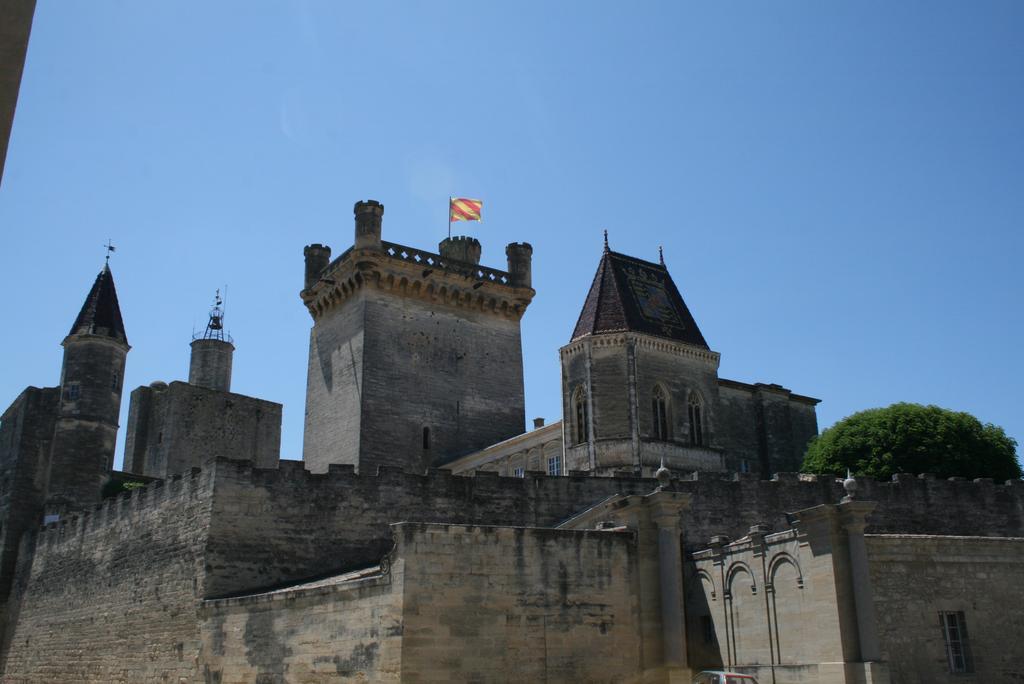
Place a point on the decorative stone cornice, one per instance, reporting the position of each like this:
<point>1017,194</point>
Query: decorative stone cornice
<point>418,274</point>
<point>642,341</point>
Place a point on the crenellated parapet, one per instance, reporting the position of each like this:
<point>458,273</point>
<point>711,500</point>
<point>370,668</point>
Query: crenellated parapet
<point>420,274</point>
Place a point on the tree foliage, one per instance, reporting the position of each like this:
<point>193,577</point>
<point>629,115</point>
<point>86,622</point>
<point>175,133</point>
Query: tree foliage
<point>911,438</point>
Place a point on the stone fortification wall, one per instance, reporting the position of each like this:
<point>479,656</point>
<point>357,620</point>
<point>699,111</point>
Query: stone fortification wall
<point>341,629</point>
<point>173,428</point>
<point>112,595</point>
<point>915,578</point>
<point>286,525</point>
<point>481,603</point>
<point>26,429</point>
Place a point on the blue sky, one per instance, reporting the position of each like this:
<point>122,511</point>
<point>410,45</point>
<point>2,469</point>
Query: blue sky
<point>839,187</point>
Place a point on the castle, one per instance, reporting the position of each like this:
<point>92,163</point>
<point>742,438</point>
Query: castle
<point>659,529</point>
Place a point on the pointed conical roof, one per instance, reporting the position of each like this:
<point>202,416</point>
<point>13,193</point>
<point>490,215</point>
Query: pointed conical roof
<point>630,294</point>
<point>101,314</point>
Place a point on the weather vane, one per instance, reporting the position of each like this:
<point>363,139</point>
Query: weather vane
<point>110,248</point>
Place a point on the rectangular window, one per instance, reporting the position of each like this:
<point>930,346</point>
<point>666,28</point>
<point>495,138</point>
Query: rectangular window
<point>954,631</point>
<point>744,466</point>
<point>520,472</point>
<point>708,627</point>
<point>554,465</point>
<point>71,391</point>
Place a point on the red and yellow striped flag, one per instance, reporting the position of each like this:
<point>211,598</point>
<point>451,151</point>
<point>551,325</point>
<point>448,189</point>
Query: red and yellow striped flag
<point>463,209</point>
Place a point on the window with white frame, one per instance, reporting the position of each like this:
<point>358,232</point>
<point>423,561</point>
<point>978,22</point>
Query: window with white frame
<point>554,465</point>
<point>520,472</point>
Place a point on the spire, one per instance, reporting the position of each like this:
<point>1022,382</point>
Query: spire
<point>630,294</point>
<point>101,314</point>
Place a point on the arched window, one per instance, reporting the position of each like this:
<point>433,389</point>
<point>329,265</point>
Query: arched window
<point>696,420</point>
<point>659,412</point>
<point>580,416</point>
<point>426,438</point>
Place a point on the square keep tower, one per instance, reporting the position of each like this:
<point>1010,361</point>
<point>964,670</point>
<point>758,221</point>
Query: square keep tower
<point>415,358</point>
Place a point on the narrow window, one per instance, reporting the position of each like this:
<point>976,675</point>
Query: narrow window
<point>579,401</point>
<point>708,627</point>
<point>696,421</point>
<point>659,411</point>
<point>520,472</point>
<point>554,465</point>
<point>744,466</point>
<point>954,631</point>
<point>426,438</point>
<point>72,391</point>
<point>113,382</point>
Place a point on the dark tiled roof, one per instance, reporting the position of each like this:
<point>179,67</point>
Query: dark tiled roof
<point>639,296</point>
<point>101,314</point>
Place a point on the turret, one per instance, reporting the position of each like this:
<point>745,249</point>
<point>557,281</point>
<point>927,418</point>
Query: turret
<point>520,263</point>
<point>91,380</point>
<point>210,365</point>
<point>317,258</point>
<point>461,248</point>
<point>369,215</point>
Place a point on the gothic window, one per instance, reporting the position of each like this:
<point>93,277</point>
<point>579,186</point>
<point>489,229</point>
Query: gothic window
<point>659,412</point>
<point>954,631</point>
<point>580,416</point>
<point>426,438</point>
<point>696,411</point>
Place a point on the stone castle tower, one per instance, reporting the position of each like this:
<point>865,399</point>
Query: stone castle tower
<point>640,386</point>
<point>90,401</point>
<point>414,357</point>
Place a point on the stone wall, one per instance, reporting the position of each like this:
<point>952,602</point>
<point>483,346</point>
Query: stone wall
<point>343,629</point>
<point>26,429</point>
<point>917,577</point>
<point>287,524</point>
<point>173,428</point>
<point>453,370</point>
<point>483,604</point>
<point>112,595</point>
<point>764,428</point>
<point>334,381</point>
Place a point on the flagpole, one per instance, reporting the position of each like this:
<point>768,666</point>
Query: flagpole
<point>449,218</point>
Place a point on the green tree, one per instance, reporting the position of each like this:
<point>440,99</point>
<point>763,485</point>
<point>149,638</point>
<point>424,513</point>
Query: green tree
<point>911,438</point>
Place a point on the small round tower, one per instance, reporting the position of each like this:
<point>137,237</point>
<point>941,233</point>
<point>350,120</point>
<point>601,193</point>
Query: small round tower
<point>520,263</point>
<point>317,259</point>
<point>461,248</point>
<point>210,365</point>
<point>369,216</point>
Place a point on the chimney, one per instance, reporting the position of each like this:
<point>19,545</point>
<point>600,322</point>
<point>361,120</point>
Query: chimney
<point>538,423</point>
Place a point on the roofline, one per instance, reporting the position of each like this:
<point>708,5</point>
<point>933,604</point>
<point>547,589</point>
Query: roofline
<point>771,387</point>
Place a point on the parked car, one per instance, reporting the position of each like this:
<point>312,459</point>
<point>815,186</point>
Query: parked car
<point>720,677</point>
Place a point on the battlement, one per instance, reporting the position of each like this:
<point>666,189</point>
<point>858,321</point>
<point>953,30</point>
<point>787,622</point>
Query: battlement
<point>128,507</point>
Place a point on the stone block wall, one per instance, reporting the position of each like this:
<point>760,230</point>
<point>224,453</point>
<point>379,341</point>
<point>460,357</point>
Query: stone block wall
<point>287,524</point>
<point>26,429</point>
<point>173,428</point>
<point>448,368</point>
<point>339,630</point>
<point>112,595</point>
<point>484,604</point>
<point>917,577</point>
